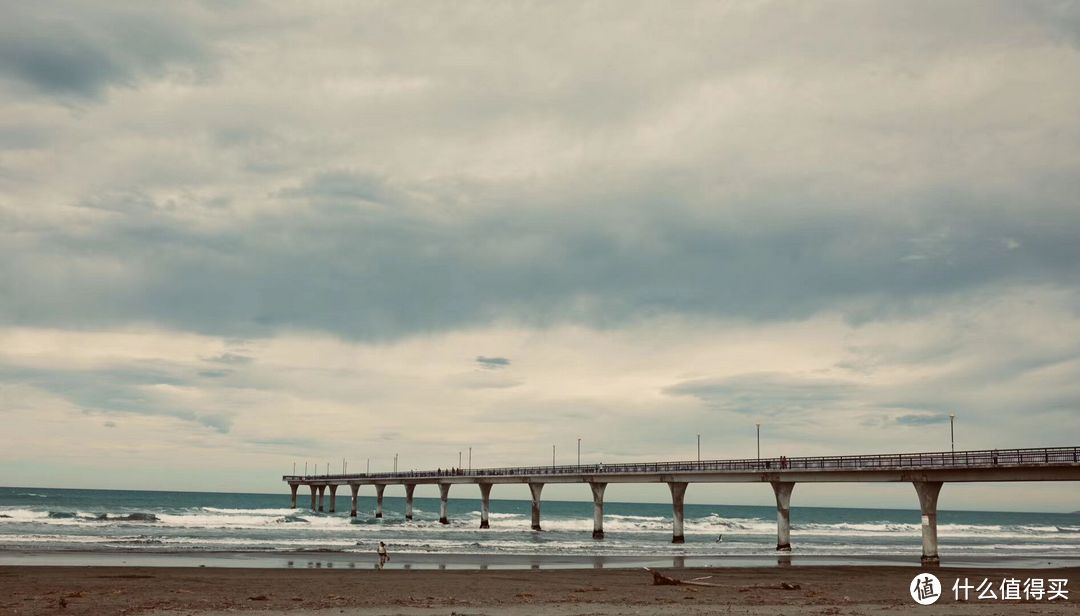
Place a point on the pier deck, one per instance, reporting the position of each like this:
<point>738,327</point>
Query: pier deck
<point>926,471</point>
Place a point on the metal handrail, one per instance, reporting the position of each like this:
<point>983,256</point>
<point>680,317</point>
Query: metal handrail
<point>1042,456</point>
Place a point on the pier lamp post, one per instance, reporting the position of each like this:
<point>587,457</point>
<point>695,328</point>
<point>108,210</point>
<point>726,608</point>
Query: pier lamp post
<point>952,432</point>
<point>395,462</point>
<point>579,451</point>
<point>699,448</point>
<point>459,459</point>
<point>368,467</point>
<point>758,442</point>
<point>553,457</point>
<point>305,469</point>
<point>470,460</point>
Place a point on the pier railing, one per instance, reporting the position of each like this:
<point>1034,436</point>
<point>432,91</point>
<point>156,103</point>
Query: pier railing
<point>988,458</point>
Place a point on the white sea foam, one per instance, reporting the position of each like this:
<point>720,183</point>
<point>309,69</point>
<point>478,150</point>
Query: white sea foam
<point>256,519</point>
<point>22,515</point>
<point>286,529</point>
<point>247,512</point>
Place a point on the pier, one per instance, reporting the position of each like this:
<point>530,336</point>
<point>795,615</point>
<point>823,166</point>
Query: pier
<point>927,472</point>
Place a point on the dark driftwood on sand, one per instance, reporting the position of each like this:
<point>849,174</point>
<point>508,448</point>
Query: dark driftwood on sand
<point>659,579</point>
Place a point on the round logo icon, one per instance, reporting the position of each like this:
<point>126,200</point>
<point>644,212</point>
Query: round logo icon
<point>925,589</point>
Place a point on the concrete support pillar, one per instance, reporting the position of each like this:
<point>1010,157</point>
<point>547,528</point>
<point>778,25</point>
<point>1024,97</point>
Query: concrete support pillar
<point>535,489</point>
<point>379,489</point>
<point>293,487</point>
<point>409,489</point>
<point>314,491</point>
<point>322,497</point>
<point>444,492</point>
<point>333,498</point>
<point>598,509</point>
<point>355,487</point>
<point>782,490</point>
<point>928,498</point>
<point>485,504</point>
<point>678,492</point>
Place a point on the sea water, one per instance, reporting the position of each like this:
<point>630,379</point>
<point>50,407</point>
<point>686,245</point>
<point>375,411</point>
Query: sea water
<point>40,520</point>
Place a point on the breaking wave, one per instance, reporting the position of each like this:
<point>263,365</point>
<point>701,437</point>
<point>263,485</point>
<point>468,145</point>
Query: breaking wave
<point>185,524</point>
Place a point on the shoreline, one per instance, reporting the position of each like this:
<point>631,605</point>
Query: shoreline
<point>799,591</point>
<point>501,561</point>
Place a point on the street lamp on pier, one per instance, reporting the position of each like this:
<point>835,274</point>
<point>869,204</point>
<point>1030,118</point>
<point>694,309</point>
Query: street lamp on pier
<point>758,442</point>
<point>952,432</point>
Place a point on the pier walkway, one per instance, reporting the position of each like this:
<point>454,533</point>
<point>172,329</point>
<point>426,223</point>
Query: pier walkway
<point>926,471</point>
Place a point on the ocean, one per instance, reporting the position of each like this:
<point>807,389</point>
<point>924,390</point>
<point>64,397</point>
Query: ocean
<point>41,521</point>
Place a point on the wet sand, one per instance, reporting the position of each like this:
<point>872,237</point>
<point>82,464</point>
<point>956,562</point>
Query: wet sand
<point>206,591</point>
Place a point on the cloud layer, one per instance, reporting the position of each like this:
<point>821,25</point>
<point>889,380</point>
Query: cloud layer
<point>844,221</point>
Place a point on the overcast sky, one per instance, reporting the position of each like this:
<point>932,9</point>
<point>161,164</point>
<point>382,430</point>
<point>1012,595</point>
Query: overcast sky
<point>235,236</point>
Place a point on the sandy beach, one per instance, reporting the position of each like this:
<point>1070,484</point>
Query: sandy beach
<point>204,591</point>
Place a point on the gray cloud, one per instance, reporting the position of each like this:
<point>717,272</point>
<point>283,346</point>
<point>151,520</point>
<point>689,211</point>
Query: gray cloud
<point>492,363</point>
<point>81,51</point>
<point>362,229</point>
<point>288,443</point>
<point>230,358</point>
<point>922,420</point>
<point>218,422</point>
<point>120,390</point>
<point>767,394</point>
<point>385,273</point>
<point>343,188</point>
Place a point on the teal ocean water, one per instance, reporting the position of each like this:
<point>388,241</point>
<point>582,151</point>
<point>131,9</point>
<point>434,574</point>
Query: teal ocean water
<point>53,520</point>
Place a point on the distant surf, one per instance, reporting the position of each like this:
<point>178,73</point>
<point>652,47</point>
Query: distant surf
<point>121,521</point>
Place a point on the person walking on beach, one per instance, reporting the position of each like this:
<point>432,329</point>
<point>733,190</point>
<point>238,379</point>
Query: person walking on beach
<point>384,556</point>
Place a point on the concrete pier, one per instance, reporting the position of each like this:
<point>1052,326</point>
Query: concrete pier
<point>409,489</point>
<point>333,498</point>
<point>444,493</point>
<point>535,489</point>
<point>928,492</point>
<point>927,471</point>
<point>678,493</point>
<point>485,504</point>
<point>598,509</point>
<point>782,490</point>
<point>379,489</point>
